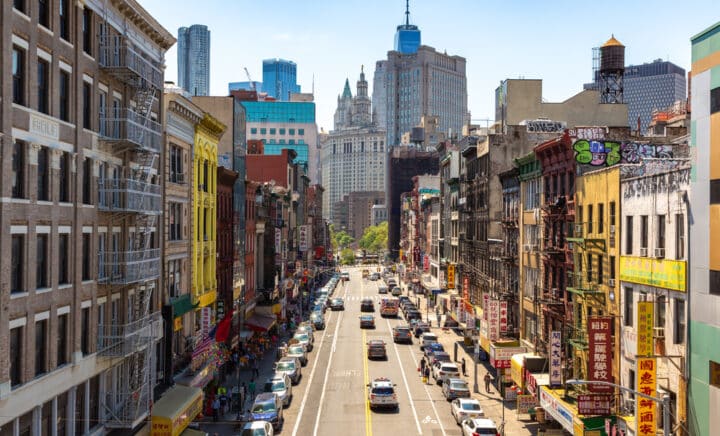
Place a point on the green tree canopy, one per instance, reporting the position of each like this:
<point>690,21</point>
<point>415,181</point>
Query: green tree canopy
<point>347,257</point>
<point>374,239</point>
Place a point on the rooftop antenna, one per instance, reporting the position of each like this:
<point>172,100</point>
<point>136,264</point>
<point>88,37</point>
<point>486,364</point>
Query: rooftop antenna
<point>313,84</point>
<point>407,12</point>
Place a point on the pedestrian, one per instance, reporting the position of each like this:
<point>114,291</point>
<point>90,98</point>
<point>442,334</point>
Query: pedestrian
<point>223,402</point>
<point>251,389</point>
<point>488,380</point>
<point>422,366</point>
<point>216,408</point>
<point>241,397</point>
<point>256,369</point>
<point>462,366</point>
<point>426,375</point>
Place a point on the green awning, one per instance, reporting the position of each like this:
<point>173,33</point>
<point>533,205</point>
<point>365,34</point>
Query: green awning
<point>181,305</point>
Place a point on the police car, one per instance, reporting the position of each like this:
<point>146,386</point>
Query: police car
<point>381,394</point>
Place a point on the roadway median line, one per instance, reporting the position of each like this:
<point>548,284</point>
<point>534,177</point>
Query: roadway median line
<point>432,402</point>
<point>405,380</point>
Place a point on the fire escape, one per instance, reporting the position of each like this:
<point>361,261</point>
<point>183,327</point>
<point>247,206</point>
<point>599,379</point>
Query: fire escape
<point>132,200</point>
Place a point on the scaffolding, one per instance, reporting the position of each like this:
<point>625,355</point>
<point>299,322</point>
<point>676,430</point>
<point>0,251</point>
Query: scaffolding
<point>133,200</point>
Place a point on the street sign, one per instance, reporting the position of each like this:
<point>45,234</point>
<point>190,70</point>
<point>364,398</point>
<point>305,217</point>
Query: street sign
<point>437,291</point>
<point>594,404</point>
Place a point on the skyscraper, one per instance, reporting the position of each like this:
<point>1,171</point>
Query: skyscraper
<point>194,59</point>
<point>407,36</point>
<point>280,78</point>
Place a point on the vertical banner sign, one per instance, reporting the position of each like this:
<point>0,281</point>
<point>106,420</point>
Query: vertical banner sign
<point>466,288</point>
<point>503,316</point>
<point>645,409</point>
<point>278,240</point>
<point>303,238</point>
<point>493,320</point>
<point>426,262</point>
<point>645,328</point>
<point>600,357</point>
<point>206,320</point>
<point>451,276</point>
<point>555,358</point>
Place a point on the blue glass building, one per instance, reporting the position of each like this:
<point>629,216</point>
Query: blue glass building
<point>194,59</point>
<point>246,86</point>
<point>407,36</point>
<point>280,78</point>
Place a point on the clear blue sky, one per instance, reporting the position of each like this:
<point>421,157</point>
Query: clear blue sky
<point>331,39</point>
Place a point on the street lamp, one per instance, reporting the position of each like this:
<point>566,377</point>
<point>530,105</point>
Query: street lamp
<point>665,400</point>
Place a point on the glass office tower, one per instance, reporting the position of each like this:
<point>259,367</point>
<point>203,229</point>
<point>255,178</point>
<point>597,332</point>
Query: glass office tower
<point>194,59</point>
<point>280,78</point>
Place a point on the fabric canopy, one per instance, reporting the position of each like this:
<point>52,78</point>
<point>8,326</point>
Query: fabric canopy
<point>260,323</point>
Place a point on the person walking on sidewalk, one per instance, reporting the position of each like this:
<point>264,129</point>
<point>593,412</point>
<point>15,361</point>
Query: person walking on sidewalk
<point>426,375</point>
<point>216,408</point>
<point>251,390</point>
<point>422,366</point>
<point>256,368</point>
<point>462,366</point>
<point>488,379</point>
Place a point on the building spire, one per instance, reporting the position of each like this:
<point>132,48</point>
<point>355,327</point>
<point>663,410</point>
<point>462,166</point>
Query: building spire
<point>407,12</point>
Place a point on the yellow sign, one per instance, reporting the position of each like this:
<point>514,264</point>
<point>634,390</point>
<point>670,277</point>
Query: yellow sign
<point>645,328</point>
<point>177,324</point>
<point>668,274</point>
<point>451,276</point>
<point>646,409</point>
<point>207,298</point>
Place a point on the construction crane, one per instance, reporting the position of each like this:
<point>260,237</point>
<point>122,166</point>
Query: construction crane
<point>252,84</point>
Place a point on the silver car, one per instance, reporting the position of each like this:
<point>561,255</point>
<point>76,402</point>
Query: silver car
<point>280,385</point>
<point>305,340</point>
<point>289,366</point>
<point>298,351</point>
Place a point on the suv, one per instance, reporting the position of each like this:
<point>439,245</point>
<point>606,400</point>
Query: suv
<point>268,407</point>
<point>367,305</point>
<point>289,366</point>
<point>402,334</point>
<point>381,393</point>
<point>376,349</point>
<point>444,370</point>
<point>280,385</point>
<point>396,291</point>
<point>426,339</point>
<point>478,426</point>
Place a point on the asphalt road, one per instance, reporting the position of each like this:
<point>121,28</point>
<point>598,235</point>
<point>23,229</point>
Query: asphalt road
<point>331,398</point>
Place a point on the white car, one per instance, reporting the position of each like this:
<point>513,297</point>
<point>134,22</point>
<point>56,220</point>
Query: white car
<point>479,426</point>
<point>257,428</point>
<point>381,394</point>
<point>427,338</point>
<point>465,408</point>
<point>444,370</point>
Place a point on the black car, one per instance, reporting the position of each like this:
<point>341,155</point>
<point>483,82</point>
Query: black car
<point>420,328</point>
<point>337,304</point>
<point>367,305</point>
<point>413,314</point>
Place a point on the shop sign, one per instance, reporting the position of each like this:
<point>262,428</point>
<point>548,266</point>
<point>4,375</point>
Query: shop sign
<point>451,276</point>
<point>304,238</point>
<point>466,288</point>
<point>503,316</point>
<point>177,324</point>
<point>594,404</point>
<point>510,393</point>
<point>278,240</point>
<point>500,356</point>
<point>646,409</point>
<point>493,309</point>
<point>206,320</point>
<point>525,403</point>
<point>555,358</point>
<point>426,262</point>
<point>662,273</point>
<point>555,409</point>
<point>600,353</point>
<point>645,314</point>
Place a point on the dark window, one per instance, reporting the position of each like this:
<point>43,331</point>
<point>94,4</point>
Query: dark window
<point>643,231</point>
<point>715,100</point>
<point>63,259</point>
<point>714,282</point>
<point>62,340</point>
<point>628,235</point>
<point>87,105</point>
<point>43,86</point>
<point>612,267</point>
<point>714,378</point>
<point>80,408</point>
<point>87,180</point>
<point>18,170</point>
<point>94,402</point>
<point>87,31</point>
<point>16,353</point>
<point>17,264</point>
<point>680,324</point>
<point>612,213</point>
<point>41,261</point>
<point>43,174</point>
<point>86,256</point>
<point>85,339</point>
<point>64,96</point>
<point>590,218</point>
<point>589,267</point>
<point>661,231</point>
<point>628,304</point>
<point>18,74</point>
<point>175,221</point>
<point>679,236</point>
<point>19,5</point>
<point>206,175</point>
<point>176,165</point>
<point>65,19</point>
<point>631,381</point>
<point>660,310</point>
<point>44,13</point>
<point>601,217</point>
<point>600,272</point>
<point>40,347</point>
<point>715,191</point>
<point>64,177</point>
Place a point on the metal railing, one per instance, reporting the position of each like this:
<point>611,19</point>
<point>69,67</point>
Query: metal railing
<point>126,125</point>
<point>128,195</point>
<point>128,64</point>
<point>117,340</point>
<point>126,267</point>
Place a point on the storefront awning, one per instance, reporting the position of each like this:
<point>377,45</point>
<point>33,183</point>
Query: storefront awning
<point>245,335</point>
<point>260,323</point>
<point>175,410</point>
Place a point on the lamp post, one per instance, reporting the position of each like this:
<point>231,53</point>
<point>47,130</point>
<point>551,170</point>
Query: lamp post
<point>664,401</point>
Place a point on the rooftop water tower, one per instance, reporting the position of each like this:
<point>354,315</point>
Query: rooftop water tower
<point>612,70</point>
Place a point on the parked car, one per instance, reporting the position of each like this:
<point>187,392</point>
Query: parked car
<point>413,314</point>
<point>444,370</point>
<point>318,321</point>
<point>337,304</point>
<point>257,428</point>
<point>420,328</point>
<point>465,408</point>
<point>268,407</point>
<point>280,385</point>
<point>433,347</point>
<point>455,388</point>
<point>303,339</point>
<point>289,366</point>
<point>396,291</point>
<point>479,427</point>
<point>402,334</point>
<point>367,322</point>
<point>427,338</point>
<point>367,305</point>
<point>299,352</point>
<point>376,349</point>
<point>439,356</point>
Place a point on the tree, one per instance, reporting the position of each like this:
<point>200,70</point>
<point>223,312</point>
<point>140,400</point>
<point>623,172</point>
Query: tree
<point>347,257</point>
<point>374,239</point>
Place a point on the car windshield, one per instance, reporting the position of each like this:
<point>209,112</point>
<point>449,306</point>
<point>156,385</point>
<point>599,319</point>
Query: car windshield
<point>298,350</point>
<point>285,366</point>
<point>458,385</point>
<point>366,318</point>
<point>383,391</point>
<point>448,368</point>
<point>263,408</point>
<point>481,430</point>
<point>301,337</point>
<point>253,432</point>
<point>402,330</point>
<point>274,386</point>
<point>470,406</point>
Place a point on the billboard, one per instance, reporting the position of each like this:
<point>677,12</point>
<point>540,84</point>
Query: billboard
<point>646,409</point>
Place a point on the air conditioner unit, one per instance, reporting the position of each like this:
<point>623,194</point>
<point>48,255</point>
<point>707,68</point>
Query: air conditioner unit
<point>660,253</point>
<point>526,248</point>
<point>643,251</point>
<point>611,283</point>
<point>658,332</point>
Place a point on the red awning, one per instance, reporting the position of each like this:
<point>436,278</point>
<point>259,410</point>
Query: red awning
<point>260,323</point>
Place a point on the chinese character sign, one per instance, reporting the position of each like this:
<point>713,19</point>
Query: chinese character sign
<point>503,316</point>
<point>493,318</point>
<point>304,236</point>
<point>451,276</point>
<point>646,409</point>
<point>645,328</point>
<point>555,358</point>
<point>278,240</point>
<point>600,349</point>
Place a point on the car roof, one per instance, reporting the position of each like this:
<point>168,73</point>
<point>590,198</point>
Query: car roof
<point>483,422</point>
<point>367,317</point>
<point>287,359</point>
<point>253,425</point>
<point>456,380</point>
<point>276,377</point>
<point>376,341</point>
<point>382,382</point>
<point>446,364</point>
<point>402,327</point>
<point>265,397</point>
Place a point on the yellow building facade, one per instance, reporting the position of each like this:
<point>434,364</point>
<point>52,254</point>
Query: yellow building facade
<point>204,284</point>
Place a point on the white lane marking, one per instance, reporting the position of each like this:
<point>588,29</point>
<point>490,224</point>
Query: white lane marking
<point>407,386</point>
<point>309,385</point>
<point>432,402</point>
<point>327,373</point>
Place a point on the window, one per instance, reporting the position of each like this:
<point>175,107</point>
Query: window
<point>612,213</point>
<point>282,131</point>
<point>43,174</point>
<point>85,340</point>
<point>715,100</point>
<point>101,250</point>
<point>18,74</point>
<point>714,282</point>
<point>18,170</point>
<point>64,178</point>
<point>19,5</point>
<point>600,272</point>
<point>612,267</point>
<point>174,278</point>
<point>714,191</point>
<point>87,180</point>
<point>589,267</point>
<point>679,236</point>
<point>87,31</point>
<point>206,175</point>
<point>16,353</point>
<point>628,235</point>
<point>176,164</point>
<point>253,130</point>
<point>601,218</point>
<point>661,231</point>
<point>86,256</point>
<point>41,347</point>
<point>41,256</point>
<point>65,19</point>
<point>64,96</point>
<point>272,130</point>
<point>17,264</point>
<point>43,86</point>
<point>628,306</point>
<point>63,259</point>
<point>301,132</point>
<point>87,105</point>
<point>679,320</point>
<point>644,231</point>
<point>175,221</point>
<point>263,131</point>
<point>660,311</point>
<point>590,218</point>
<point>631,382</point>
<point>44,13</point>
<point>291,131</point>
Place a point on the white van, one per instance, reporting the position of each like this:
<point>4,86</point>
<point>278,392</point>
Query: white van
<point>427,338</point>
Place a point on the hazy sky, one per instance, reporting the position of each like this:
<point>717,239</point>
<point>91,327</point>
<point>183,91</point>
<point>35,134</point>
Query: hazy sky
<point>330,39</point>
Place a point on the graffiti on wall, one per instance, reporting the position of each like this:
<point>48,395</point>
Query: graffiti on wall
<point>609,153</point>
<point>650,167</point>
<point>544,126</point>
<point>593,133</point>
<point>662,183</point>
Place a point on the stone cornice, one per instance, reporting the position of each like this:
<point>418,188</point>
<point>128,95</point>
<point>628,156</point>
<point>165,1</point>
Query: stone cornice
<point>211,126</point>
<point>184,111</point>
<point>135,13</point>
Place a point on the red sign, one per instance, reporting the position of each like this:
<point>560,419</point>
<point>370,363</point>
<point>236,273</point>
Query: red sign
<point>600,353</point>
<point>466,287</point>
<point>594,404</point>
